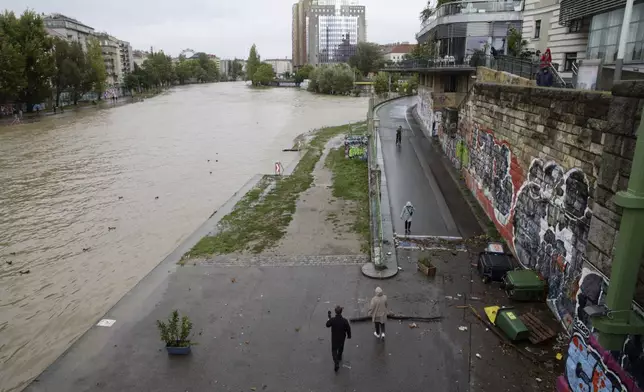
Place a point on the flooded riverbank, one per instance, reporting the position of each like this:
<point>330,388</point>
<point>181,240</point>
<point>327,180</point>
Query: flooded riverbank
<point>91,201</point>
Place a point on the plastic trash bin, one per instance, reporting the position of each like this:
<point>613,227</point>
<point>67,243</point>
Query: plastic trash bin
<point>508,321</point>
<point>524,285</point>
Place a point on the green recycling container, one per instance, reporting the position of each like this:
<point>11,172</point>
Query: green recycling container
<point>508,321</point>
<point>524,285</point>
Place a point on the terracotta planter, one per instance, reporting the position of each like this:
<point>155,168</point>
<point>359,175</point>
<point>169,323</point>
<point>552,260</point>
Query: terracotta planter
<point>429,271</point>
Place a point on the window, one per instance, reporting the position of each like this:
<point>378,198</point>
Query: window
<point>537,29</point>
<point>569,60</point>
<point>575,26</point>
<point>605,28</point>
<point>450,84</point>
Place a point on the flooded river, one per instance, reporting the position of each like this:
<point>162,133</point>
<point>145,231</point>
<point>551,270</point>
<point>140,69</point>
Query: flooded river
<point>91,201</point>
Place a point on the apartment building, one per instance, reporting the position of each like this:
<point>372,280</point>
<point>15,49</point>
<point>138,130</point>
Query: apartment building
<point>398,52</point>
<point>127,57</point>
<point>64,27</point>
<point>578,30</point>
<point>280,66</point>
<point>111,51</point>
<point>300,11</point>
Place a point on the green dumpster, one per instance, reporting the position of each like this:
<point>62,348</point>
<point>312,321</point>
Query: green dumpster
<point>524,285</point>
<point>508,321</point>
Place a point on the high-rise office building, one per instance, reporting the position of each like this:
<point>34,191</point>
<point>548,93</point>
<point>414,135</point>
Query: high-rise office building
<point>300,13</point>
<point>327,31</point>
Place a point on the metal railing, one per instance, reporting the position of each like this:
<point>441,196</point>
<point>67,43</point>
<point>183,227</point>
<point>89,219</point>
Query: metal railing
<point>469,7</point>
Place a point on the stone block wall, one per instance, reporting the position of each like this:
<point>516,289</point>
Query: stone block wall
<point>489,75</point>
<point>545,165</point>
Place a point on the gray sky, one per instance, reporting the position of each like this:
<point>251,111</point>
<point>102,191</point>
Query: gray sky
<point>226,28</point>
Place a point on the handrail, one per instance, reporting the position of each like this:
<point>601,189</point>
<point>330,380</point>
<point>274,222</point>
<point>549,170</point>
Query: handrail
<point>470,7</point>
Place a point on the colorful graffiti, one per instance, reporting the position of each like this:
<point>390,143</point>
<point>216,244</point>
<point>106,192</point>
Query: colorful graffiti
<point>551,225</point>
<point>425,109</point>
<point>544,213</point>
<point>490,167</point>
<point>355,147</point>
<point>591,368</point>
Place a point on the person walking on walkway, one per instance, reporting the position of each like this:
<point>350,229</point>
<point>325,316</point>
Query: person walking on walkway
<point>406,214</point>
<point>399,135</point>
<point>340,329</point>
<point>378,312</point>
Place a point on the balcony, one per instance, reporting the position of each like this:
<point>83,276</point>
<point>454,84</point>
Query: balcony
<point>438,64</point>
<point>472,11</point>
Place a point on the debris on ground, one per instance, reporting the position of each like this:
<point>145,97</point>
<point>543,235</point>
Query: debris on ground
<point>462,328</point>
<point>413,325</point>
<point>233,280</point>
<point>479,356</point>
<point>559,356</point>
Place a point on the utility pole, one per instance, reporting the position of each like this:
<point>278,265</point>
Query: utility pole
<point>628,11</point>
<point>619,319</point>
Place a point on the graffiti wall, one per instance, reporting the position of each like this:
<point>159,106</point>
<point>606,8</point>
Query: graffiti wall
<point>538,175</point>
<point>425,109</point>
<point>355,147</point>
<point>589,367</point>
<point>544,215</point>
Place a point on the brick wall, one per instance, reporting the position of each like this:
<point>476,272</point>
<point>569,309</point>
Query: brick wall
<point>545,165</point>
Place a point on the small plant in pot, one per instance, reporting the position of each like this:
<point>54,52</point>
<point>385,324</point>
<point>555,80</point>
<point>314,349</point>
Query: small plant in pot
<point>426,267</point>
<point>174,333</point>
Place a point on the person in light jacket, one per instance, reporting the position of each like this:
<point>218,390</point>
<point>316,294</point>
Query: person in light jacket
<point>406,214</point>
<point>378,312</point>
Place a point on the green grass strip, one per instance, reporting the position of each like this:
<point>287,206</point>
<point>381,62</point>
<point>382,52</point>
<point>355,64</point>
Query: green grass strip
<point>258,223</point>
<point>351,182</point>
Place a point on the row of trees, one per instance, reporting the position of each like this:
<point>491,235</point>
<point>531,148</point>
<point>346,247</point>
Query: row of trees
<point>34,66</point>
<point>336,79</point>
<point>259,73</point>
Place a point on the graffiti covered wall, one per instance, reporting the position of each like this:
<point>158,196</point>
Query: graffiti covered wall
<point>540,162</point>
<point>425,109</point>
<point>589,367</point>
<point>355,147</point>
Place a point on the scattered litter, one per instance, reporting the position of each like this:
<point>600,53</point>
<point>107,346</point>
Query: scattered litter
<point>479,356</point>
<point>233,280</point>
<point>471,281</point>
<point>559,356</point>
<point>474,265</point>
<point>297,329</point>
<point>528,349</point>
<point>344,365</point>
<point>413,325</point>
<point>462,328</point>
<point>449,297</point>
<point>487,329</point>
<point>459,295</point>
<point>399,269</point>
<point>538,379</point>
<point>24,272</point>
<point>261,296</point>
<point>106,323</point>
<point>475,298</point>
<point>327,302</point>
<point>388,253</point>
<point>253,389</point>
<point>247,342</point>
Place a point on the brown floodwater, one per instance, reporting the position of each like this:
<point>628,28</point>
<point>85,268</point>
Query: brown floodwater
<point>153,171</point>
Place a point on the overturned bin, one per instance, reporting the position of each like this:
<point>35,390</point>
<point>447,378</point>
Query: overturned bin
<point>508,322</point>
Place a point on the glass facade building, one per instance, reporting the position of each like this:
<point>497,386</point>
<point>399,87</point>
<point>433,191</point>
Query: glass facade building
<point>605,28</point>
<point>334,28</point>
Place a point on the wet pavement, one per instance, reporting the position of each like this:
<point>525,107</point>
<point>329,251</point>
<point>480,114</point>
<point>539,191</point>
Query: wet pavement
<point>409,176</point>
<point>261,327</point>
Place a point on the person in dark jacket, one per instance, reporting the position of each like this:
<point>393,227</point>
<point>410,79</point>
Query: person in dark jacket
<point>340,329</point>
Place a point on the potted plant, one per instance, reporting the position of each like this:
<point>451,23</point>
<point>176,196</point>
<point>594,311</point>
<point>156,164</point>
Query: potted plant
<point>174,333</point>
<point>426,267</point>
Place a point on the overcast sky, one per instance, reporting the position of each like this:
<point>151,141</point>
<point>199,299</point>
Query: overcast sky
<point>226,28</point>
